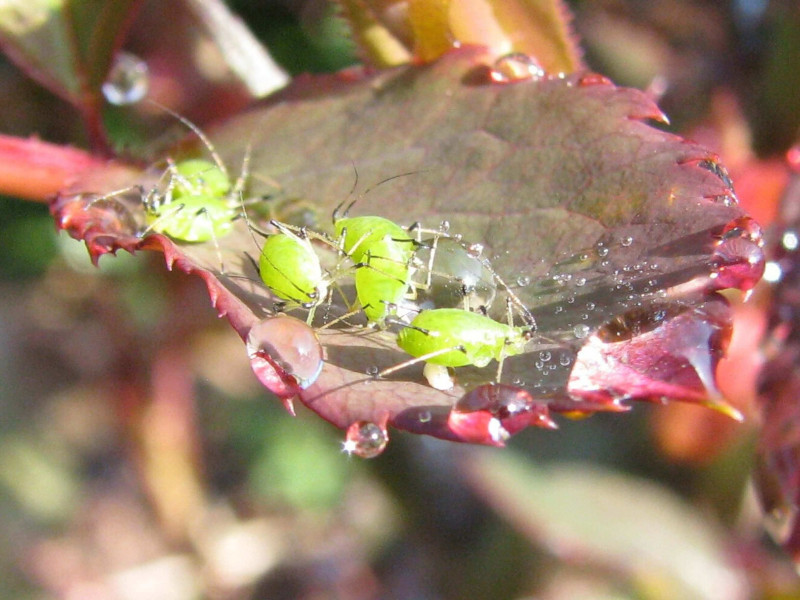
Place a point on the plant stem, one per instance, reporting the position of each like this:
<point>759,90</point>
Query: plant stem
<point>36,170</point>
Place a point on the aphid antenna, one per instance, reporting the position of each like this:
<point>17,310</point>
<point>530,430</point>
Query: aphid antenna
<point>198,132</point>
<point>339,214</point>
<point>303,232</point>
<point>418,359</point>
<point>113,196</point>
<point>238,187</point>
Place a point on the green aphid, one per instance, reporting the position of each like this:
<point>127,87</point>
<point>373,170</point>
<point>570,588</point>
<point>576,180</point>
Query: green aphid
<point>360,234</point>
<point>195,207</point>
<point>452,337</point>
<point>290,268</point>
<point>382,279</point>
<point>199,177</point>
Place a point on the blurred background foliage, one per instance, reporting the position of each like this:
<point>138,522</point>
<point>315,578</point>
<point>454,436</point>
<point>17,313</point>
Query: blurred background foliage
<point>140,459</point>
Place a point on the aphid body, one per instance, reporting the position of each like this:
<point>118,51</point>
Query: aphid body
<point>290,268</point>
<point>195,207</point>
<point>382,252</point>
<point>453,337</point>
<point>359,234</point>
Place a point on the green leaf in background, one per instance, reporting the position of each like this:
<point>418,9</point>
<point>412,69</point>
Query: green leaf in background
<point>664,547</point>
<point>67,46</point>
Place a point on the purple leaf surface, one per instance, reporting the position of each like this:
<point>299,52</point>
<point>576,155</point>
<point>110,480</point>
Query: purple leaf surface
<point>613,234</point>
<point>777,470</point>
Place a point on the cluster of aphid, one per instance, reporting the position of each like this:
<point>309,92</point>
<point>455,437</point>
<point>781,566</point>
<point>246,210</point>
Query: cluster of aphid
<point>429,287</point>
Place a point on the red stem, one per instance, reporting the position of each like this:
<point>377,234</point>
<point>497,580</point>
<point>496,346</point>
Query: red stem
<point>36,170</point>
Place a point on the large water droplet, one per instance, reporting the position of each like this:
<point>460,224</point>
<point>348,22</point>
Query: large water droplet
<point>516,67</point>
<point>365,439</point>
<point>738,263</point>
<point>127,81</point>
<point>455,276</point>
<point>632,323</point>
<point>492,413</point>
<point>285,354</point>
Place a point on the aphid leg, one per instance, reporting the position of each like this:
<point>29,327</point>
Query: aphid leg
<point>173,210</point>
<point>523,310</point>
<point>112,198</point>
<point>438,377</point>
<point>416,360</point>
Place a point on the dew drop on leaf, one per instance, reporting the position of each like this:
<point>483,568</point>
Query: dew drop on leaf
<point>127,81</point>
<point>284,350</point>
<point>491,413</point>
<point>516,67</point>
<point>580,331</point>
<point>737,262</point>
<point>365,439</point>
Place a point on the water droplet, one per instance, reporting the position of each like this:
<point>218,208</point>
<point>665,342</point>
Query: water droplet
<point>285,354</point>
<point>565,360</point>
<point>365,439</point>
<point>726,199</point>
<point>580,331</point>
<point>492,413</point>
<point>523,280</point>
<point>590,306</point>
<point>593,79</point>
<point>372,370</point>
<point>602,251</point>
<point>626,241</point>
<point>458,277</point>
<point>790,240</point>
<point>127,81</point>
<point>737,263</point>
<point>444,226</point>
<point>580,281</point>
<point>545,355</point>
<point>516,67</point>
<point>773,272</point>
<point>633,323</point>
<point>425,416</point>
<point>475,249</point>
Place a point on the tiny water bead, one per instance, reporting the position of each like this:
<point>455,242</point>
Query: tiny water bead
<point>516,67</point>
<point>285,353</point>
<point>128,80</point>
<point>581,331</point>
<point>365,439</point>
<point>492,413</point>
